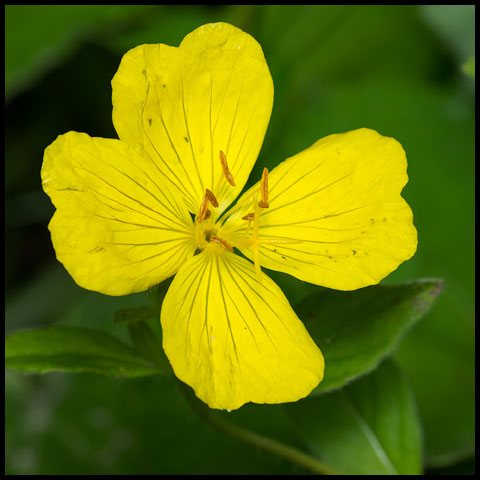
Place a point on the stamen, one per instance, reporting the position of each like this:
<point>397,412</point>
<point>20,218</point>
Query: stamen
<point>222,242</point>
<point>208,214</point>
<point>203,209</point>
<point>249,217</point>
<point>264,189</point>
<point>226,171</point>
<point>211,197</point>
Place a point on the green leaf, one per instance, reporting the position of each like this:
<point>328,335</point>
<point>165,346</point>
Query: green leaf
<point>368,428</point>
<point>356,330</point>
<point>74,349</point>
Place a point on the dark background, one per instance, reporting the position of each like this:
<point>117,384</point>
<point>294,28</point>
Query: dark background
<point>396,69</point>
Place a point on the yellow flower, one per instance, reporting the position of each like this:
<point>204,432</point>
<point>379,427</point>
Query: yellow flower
<point>132,212</point>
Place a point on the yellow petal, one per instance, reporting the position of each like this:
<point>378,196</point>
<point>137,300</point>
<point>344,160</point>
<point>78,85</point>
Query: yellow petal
<point>117,228</point>
<point>233,339</point>
<point>336,217</point>
<point>184,105</point>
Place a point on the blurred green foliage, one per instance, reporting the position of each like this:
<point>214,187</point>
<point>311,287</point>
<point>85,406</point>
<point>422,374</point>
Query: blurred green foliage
<point>396,69</point>
<point>469,67</point>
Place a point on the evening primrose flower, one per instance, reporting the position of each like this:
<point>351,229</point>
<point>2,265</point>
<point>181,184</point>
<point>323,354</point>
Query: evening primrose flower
<point>132,212</point>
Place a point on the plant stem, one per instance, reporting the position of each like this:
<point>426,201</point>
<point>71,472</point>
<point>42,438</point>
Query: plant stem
<point>290,453</point>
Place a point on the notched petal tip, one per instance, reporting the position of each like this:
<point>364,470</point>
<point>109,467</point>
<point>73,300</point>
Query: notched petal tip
<point>181,106</point>
<point>235,339</point>
<point>341,201</point>
<point>116,229</point>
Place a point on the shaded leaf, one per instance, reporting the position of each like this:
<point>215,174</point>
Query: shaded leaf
<point>148,344</point>
<point>368,428</point>
<point>136,314</point>
<point>74,349</point>
<point>356,330</point>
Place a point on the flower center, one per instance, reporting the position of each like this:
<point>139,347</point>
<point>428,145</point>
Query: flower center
<point>207,231</point>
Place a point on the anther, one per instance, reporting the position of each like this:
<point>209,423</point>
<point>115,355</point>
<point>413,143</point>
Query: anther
<point>203,209</point>
<point>211,197</point>
<point>248,216</point>
<point>264,189</point>
<point>208,214</point>
<point>222,242</point>
<point>226,171</point>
